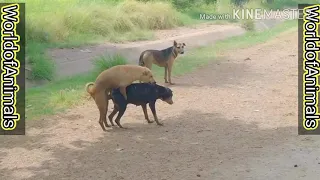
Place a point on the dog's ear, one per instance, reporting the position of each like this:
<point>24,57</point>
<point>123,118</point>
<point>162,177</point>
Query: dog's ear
<point>183,44</point>
<point>175,43</point>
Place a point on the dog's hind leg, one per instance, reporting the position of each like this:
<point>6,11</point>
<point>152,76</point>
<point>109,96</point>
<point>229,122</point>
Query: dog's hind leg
<point>165,74</point>
<point>114,112</point>
<point>153,109</point>
<point>144,108</point>
<point>102,104</point>
<point>120,114</point>
<point>123,91</point>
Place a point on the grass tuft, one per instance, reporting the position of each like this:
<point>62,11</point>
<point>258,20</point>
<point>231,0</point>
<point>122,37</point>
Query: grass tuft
<point>248,24</point>
<point>42,67</point>
<point>52,23</point>
<point>105,62</point>
<point>281,4</point>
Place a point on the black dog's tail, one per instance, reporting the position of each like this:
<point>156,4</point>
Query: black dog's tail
<point>141,62</point>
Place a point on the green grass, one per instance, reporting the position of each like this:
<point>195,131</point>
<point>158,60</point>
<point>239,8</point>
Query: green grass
<point>280,4</point>
<point>82,21</point>
<point>57,96</point>
<point>42,66</point>
<point>104,62</point>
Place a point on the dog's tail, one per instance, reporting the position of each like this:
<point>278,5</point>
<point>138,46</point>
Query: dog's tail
<point>141,61</point>
<point>89,89</point>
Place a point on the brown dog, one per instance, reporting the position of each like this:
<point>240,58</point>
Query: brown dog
<point>115,77</point>
<point>163,58</point>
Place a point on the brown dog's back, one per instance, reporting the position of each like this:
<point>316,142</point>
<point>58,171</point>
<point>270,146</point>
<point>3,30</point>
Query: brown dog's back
<point>119,76</point>
<point>116,76</point>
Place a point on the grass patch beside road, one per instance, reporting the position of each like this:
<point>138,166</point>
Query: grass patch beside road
<point>281,4</point>
<point>64,94</point>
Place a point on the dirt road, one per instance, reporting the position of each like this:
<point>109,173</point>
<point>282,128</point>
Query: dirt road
<point>233,119</point>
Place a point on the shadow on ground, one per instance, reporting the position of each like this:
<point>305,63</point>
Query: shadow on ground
<point>194,143</point>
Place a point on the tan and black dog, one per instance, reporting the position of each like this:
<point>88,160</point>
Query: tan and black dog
<point>163,58</point>
<point>120,77</point>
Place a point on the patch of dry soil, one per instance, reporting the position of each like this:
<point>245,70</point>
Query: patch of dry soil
<point>233,119</point>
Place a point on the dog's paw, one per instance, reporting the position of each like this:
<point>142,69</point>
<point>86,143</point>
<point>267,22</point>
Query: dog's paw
<point>150,122</point>
<point>124,128</point>
<point>160,124</point>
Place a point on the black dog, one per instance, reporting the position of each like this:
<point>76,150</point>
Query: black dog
<point>139,94</point>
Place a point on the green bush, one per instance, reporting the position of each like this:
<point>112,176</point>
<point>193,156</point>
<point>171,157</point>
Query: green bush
<point>105,62</point>
<point>183,4</point>
<point>280,4</point>
<point>51,22</point>
<point>248,24</point>
<point>239,2</point>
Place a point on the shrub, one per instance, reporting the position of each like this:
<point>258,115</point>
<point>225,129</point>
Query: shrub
<point>105,62</point>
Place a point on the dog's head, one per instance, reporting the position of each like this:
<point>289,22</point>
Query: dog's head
<point>147,76</point>
<point>178,47</point>
<point>166,95</point>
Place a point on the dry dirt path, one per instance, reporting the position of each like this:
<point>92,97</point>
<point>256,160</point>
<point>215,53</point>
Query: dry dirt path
<point>233,119</point>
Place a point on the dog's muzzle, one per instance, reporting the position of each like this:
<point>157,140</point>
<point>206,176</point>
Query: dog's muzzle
<point>169,101</point>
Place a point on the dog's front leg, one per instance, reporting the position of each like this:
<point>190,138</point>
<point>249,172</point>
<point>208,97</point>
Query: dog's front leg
<point>165,74</point>
<point>144,108</point>
<point>169,72</point>
<point>153,109</point>
<point>123,92</point>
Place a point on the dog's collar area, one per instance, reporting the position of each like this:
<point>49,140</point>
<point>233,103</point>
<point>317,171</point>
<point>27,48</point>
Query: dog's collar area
<point>174,54</point>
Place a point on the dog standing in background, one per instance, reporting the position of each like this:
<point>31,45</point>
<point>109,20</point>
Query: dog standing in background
<point>163,58</point>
